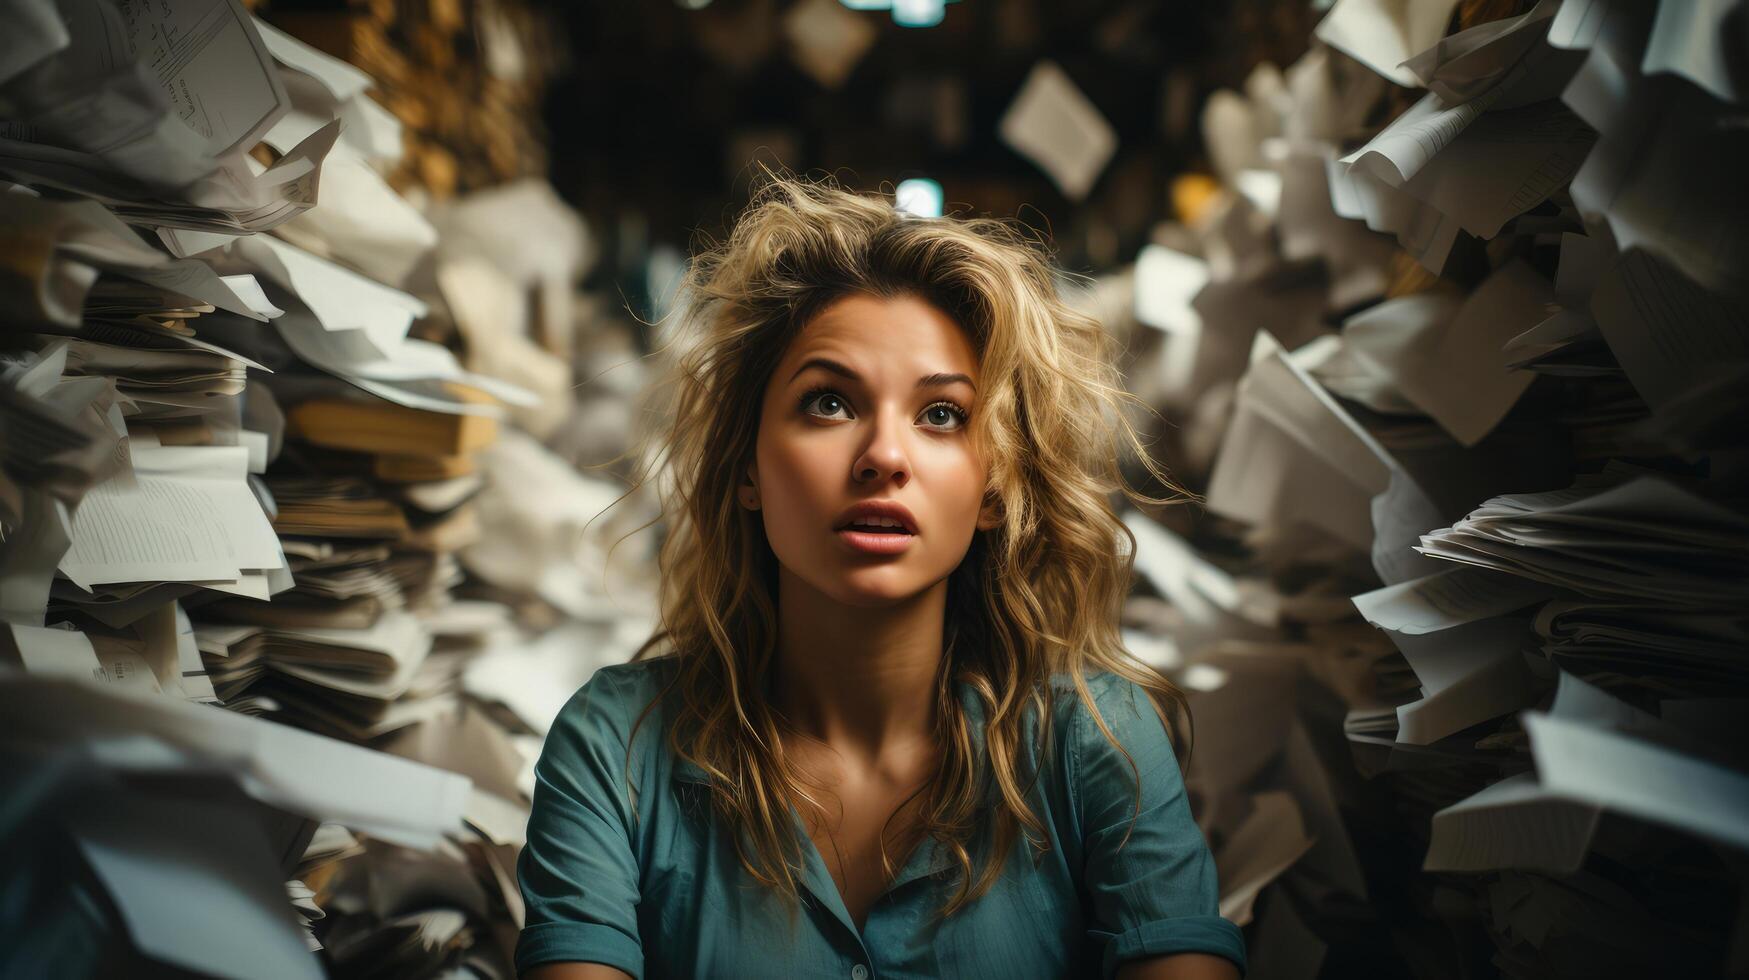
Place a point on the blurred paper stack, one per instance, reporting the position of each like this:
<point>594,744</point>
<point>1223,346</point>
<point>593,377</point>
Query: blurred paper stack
<point>373,499</point>
<point>1467,415</point>
<point>232,474</point>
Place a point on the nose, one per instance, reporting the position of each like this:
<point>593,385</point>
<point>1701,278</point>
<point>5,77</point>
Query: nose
<point>883,455</point>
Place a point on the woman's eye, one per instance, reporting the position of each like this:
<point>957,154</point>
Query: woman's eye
<point>826,400</point>
<point>945,414</point>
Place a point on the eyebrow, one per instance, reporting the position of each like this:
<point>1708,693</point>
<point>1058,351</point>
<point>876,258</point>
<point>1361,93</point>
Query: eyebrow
<point>937,380</point>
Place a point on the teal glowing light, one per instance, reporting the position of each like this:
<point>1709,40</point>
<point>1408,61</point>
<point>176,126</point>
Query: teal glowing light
<point>918,13</point>
<point>906,13</point>
<point>919,196</point>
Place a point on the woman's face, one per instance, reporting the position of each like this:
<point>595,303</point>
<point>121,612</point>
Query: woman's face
<point>870,402</point>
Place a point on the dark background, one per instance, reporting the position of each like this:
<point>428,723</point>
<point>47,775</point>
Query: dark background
<point>655,121</point>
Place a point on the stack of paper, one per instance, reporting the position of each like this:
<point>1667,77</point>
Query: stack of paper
<point>180,812</point>
<point>1490,140</point>
<point>506,266</point>
<point>1511,435</point>
<point>1546,820</point>
<point>1450,336</point>
<point>186,515</point>
<point>1615,536</point>
<point>230,475</point>
<point>154,114</point>
<point>1437,353</point>
<point>1467,652</point>
<point>373,500</point>
<point>339,680</point>
<point>1673,650</point>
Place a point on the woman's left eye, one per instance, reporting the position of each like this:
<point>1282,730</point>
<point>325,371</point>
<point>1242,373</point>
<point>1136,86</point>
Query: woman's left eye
<point>945,412</point>
<point>825,399</point>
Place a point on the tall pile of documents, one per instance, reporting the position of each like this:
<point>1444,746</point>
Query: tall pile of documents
<point>234,486</point>
<point>1460,345</point>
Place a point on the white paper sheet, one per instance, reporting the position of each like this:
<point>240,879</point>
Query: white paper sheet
<point>52,652</point>
<point>34,31</point>
<point>340,299</point>
<point>197,885</point>
<point>1666,331</point>
<point>1515,823</point>
<point>388,797</point>
<point>363,222</point>
<point>1293,454</point>
<point>190,518</point>
<point>1621,773</point>
<point>1053,124</point>
<point>1265,844</point>
<point>1694,39</point>
<point>1166,283</point>
<point>29,557</point>
<point>1686,548</point>
<point>214,67</point>
<point>1451,366</point>
<point>1448,598</point>
<point>1382,34</point>
<point>1663,173</point>
<point>1463,65</point>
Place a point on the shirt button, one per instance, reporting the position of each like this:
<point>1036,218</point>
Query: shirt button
<point>859,972</point>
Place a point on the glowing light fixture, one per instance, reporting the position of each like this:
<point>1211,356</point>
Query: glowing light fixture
<point>906,13</point>
<point>919,196</point>
<point>918,13</point>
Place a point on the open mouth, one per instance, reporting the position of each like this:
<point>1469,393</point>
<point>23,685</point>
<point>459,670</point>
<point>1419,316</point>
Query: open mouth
<point>875,527</point>
<point>876,536</point>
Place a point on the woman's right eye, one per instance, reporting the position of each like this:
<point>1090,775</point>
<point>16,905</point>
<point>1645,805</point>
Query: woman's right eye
<point>828,401</point>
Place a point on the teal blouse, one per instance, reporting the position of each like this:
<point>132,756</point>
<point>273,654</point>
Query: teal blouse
<point>666,896</point>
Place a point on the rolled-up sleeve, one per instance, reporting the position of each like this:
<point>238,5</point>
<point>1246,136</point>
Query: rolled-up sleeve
<point>1156,893</point>
<point>579,873</point>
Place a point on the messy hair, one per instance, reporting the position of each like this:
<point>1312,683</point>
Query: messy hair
<point>1035,596</point>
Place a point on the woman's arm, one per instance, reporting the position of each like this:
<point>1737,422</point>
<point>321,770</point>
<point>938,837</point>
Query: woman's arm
<point>1149,875</point>
<point>579,871</point>
<point>1178,966</point>
<point>580,971</point>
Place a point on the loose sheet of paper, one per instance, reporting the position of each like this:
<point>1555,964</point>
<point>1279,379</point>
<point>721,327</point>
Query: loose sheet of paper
<point>397,800</point>
<point>190,517</point>
<point>1382,34</point>
<point>1053,124</point>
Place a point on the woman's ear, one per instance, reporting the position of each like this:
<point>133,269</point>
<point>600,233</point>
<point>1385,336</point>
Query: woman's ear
<point>749,492</point>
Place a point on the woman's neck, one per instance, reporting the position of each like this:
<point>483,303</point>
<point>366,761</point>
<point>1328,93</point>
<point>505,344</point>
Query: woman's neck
<point>861,680</point>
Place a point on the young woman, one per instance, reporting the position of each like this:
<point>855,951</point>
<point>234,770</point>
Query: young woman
<point>891,731</point>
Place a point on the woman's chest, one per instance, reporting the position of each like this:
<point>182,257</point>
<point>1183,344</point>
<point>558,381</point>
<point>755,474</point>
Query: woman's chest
<point>864,835</point>
<point>702,914</point>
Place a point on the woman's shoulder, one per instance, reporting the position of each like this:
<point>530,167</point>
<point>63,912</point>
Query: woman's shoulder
<point>1112,693</point>
<point>1102,778</point>
<point>1126,708</point>
<point>637,678</point>
<point>611,701</point>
